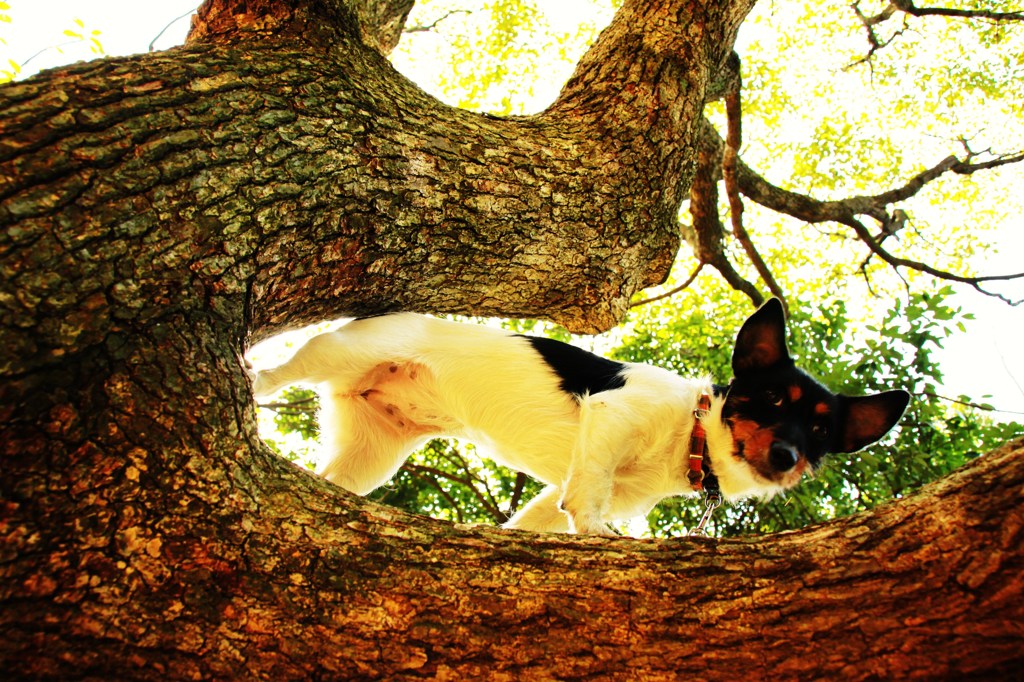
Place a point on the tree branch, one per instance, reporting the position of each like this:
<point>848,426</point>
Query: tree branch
<point>909,7</point>
<point>870,22</point>
<point>381,22</point>
<point>432,475</point>
<point>172,22</point>
<point>707,232</point>
<point>673,290</point>
<point>423,28</point>
<point>291,407</point>
<point>517,494</point>
<point>967,403</point>
<point>865,236</point>
<point>730,154</point>
<point>845,211</point>
<point>455,456</point>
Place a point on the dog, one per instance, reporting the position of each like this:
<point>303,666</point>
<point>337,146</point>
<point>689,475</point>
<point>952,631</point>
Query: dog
<point>609,439</point>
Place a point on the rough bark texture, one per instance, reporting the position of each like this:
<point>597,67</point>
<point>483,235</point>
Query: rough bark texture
<point>159,211</point>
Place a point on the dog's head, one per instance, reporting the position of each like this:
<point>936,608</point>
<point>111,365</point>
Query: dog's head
<point>783,422</point>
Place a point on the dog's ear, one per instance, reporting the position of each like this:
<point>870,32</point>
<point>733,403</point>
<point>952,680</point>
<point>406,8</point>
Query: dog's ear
<point>870,417</point>
<point>761,342</point>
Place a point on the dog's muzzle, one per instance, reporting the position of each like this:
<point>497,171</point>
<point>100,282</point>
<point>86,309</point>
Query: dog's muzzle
<point>783,456</point>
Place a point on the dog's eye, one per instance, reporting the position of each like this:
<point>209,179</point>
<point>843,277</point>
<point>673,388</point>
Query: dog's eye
<point>773,397</point>
<point>820,431</point>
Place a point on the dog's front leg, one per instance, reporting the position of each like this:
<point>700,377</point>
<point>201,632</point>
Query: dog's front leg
<point>586,501</point>
<point>590,483</point>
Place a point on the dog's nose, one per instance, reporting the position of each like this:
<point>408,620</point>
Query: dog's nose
<point>783,456</point>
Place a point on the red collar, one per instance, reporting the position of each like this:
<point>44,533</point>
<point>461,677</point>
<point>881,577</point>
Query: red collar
<point>698,444</point>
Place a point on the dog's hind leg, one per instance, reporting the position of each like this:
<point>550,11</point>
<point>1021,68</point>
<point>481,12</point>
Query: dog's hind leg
<point>542,514</point>
<point>342,356</point>
<point>319,359</point>
<point>364,452</point>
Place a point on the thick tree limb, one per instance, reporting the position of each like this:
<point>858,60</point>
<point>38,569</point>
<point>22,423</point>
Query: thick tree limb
<point>351,185</point>
<point>902,591</point>
<point>377,23</point>
<point>381,22</point>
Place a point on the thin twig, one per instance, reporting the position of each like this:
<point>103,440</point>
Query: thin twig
<point>896,261</point>
<point>431,27</point>
<point>908,8</point>
<point>874,41</point>
<point>674,290</point>
<point>416,471</point>
<point>171,23</point>
<point>469,481</point>
<point>492,505</point>
<point>845,211</point>
<point>517,493</point>
<point>966,403</point>
<point>296,405</point>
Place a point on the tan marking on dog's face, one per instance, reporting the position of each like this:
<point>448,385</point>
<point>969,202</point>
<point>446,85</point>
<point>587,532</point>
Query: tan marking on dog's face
<point>821,409</point>
<point>753,444</point>
<point>795,393</point>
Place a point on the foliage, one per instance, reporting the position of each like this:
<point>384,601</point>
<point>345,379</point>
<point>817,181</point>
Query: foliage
<point>294,418</point>
<point>447,480</point>
<point>77,34</point>
<point>483,55</point>
<point>7,75</point>
<point>80,34</point>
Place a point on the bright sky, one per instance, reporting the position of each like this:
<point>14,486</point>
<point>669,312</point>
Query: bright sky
<point>989,359</point>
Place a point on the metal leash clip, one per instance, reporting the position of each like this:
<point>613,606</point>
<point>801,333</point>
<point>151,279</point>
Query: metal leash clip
<point>712,502</point>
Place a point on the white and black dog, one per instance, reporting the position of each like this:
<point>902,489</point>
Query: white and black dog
<point>610,439</point>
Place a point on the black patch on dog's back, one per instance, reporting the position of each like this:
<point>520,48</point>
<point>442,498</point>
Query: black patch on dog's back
<point>580,371</point>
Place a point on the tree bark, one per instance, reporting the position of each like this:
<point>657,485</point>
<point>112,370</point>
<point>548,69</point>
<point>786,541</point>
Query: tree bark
<point>292,579</point>
<point>159,212</point>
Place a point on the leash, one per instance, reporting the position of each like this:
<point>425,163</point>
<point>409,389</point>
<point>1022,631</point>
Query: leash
<point>701,479</point>
<point>712,501</point>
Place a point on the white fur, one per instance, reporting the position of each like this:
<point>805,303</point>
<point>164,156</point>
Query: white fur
<point>389,384</point>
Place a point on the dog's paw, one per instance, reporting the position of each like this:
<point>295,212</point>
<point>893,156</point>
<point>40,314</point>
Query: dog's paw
<point>261,384</point>
<point>584,525</point>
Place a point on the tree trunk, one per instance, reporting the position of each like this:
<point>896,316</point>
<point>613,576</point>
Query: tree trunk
<point>160,211</point>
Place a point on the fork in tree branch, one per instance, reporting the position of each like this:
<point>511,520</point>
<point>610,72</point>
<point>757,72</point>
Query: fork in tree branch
<point>717,158</point>
<point>908,9</point>
<point>848,211</point>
